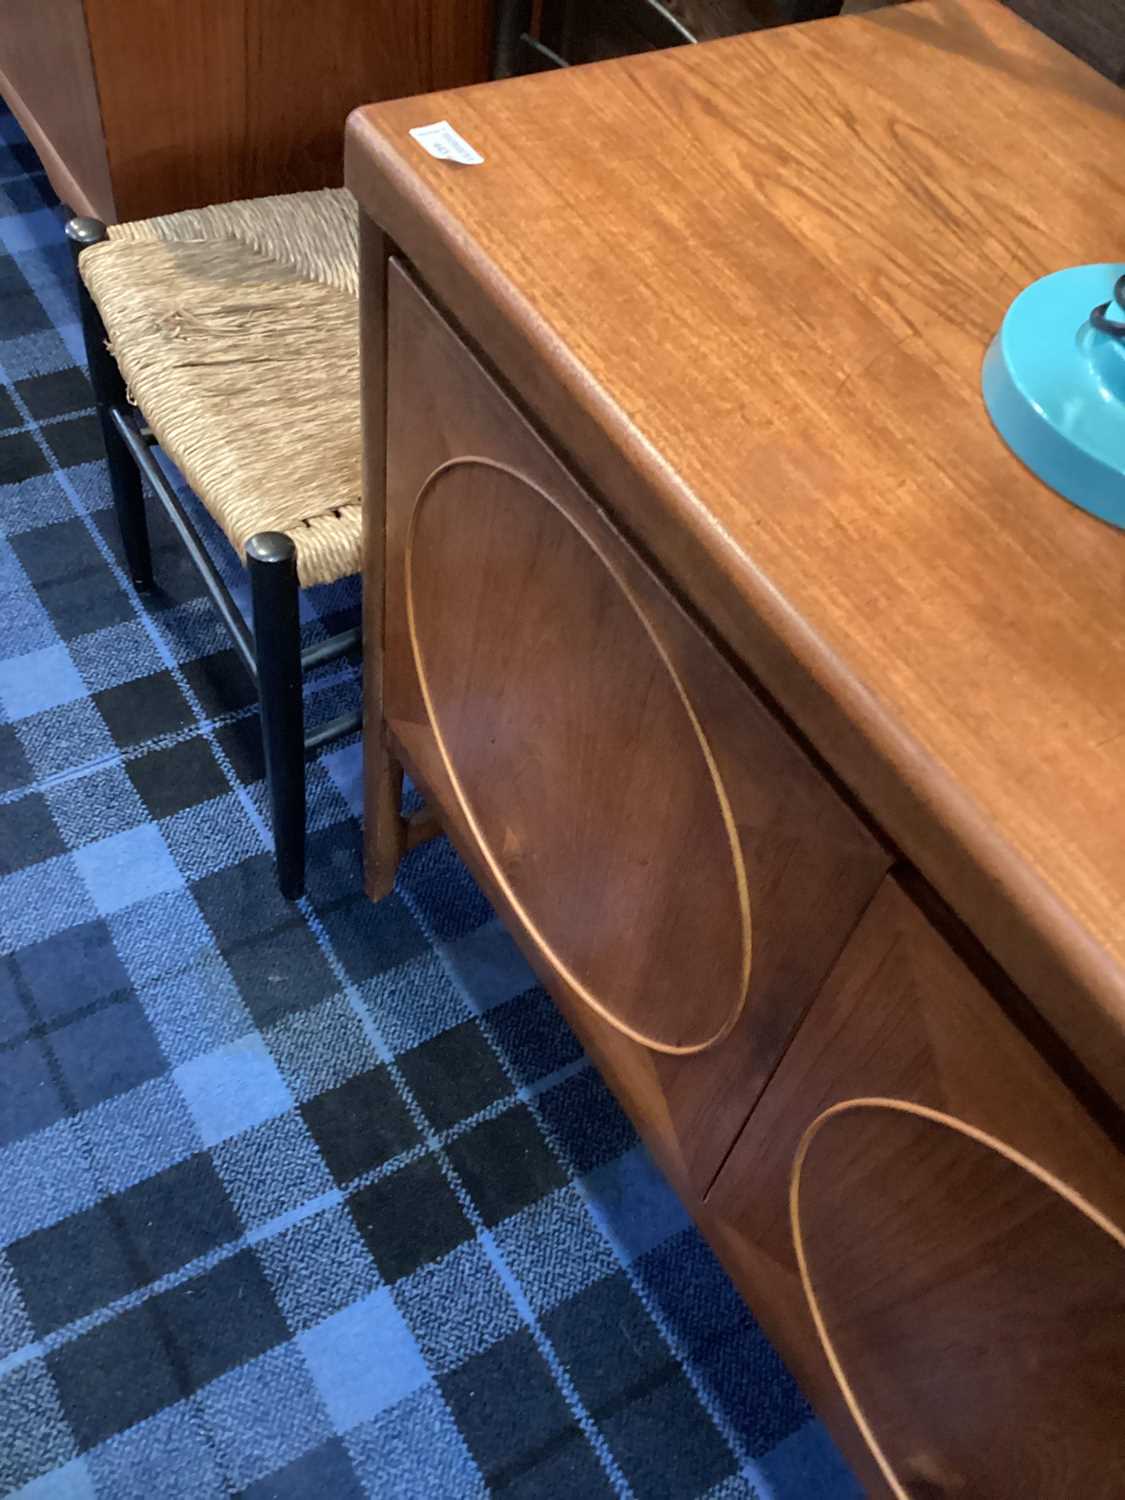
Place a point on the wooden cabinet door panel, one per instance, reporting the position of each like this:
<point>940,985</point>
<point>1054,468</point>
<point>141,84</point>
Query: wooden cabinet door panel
<point>973,1309</point>
<point>679,873</point>
<point>959,1214</point>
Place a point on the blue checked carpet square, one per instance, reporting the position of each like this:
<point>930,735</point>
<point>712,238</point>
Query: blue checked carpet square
<point>313,1200</point>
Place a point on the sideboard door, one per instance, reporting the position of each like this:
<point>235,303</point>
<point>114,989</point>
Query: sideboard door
<point>933,1228</point>
<point>678,871</point>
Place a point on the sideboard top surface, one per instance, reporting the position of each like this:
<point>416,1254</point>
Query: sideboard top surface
<point>747,287</point>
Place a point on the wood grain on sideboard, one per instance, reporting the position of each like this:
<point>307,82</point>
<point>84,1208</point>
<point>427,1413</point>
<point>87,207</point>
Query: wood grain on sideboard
<point>747,288</point>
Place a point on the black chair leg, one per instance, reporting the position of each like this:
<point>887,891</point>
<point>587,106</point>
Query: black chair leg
<point>271,560</point>
<point>109,392</point>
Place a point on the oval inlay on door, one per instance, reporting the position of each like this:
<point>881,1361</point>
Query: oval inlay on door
<point>972,1306</point>
<point>578,762</point>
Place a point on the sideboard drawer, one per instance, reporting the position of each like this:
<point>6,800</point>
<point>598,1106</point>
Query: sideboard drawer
<point>678,872</point>
<point>931,1226</point>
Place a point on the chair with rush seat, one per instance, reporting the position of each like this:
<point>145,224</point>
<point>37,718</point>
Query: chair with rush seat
<point>228,335</point>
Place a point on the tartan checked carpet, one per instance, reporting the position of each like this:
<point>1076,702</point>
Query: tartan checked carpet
<point>294,1201</point>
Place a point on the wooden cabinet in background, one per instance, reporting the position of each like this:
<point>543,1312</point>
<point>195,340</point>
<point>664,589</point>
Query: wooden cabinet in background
<point>140,107</point>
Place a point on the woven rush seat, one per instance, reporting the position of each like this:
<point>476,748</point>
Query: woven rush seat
<point>235,328</point>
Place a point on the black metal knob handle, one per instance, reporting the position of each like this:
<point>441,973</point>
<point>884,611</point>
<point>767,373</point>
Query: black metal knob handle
<point>1098,317</point>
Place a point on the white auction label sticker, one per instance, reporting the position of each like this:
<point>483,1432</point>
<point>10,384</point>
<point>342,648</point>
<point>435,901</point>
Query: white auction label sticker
<point>442,141</point>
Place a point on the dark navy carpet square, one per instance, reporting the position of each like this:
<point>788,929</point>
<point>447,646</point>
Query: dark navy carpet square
<point>313,1200</point>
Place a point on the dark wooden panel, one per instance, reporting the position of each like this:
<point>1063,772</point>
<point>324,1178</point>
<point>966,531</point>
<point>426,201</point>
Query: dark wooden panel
<point>47,78</point>
<point>900,1017</point>
<point>974,1310</point>
<point>810,866</point>
<point>226,99</point>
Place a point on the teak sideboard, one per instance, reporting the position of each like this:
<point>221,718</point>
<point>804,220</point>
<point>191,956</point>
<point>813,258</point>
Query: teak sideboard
<point>778,709</point>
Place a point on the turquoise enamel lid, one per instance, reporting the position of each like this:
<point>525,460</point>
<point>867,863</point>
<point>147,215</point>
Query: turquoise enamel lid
<point>1054,386</point>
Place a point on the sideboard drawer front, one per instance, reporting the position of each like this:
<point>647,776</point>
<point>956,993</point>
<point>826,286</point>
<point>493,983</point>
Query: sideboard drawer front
<point>936,1224</point>
<point>678,872</point>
